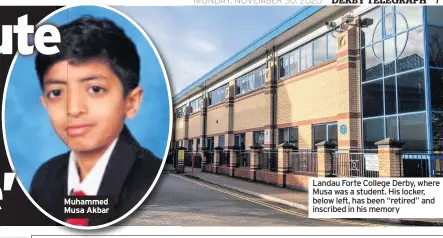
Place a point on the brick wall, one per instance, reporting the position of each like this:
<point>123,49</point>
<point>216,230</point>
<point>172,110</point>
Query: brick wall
<point>267,177</point>
<point>241,173</point>
<point>251,111</point>
<point>298,181</point>
<point>217,120</point>
<point>179,129</point>
<point>194,126</point>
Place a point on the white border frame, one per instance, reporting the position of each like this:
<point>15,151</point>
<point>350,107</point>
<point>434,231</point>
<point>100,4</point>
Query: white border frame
<point>170,121</point>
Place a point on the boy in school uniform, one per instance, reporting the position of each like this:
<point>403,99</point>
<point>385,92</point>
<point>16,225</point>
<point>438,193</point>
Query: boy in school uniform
<point>89,88</point>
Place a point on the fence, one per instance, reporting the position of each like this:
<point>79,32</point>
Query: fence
<point>355,164</point>
<point>421,164</point>
<point>225,158</point>
<point>268,160</point>
<point>210,157</point>
<point>303,161</point>
<point>243,158</point>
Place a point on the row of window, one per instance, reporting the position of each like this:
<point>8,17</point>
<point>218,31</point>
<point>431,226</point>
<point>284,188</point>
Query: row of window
<point>312,53</point>
<point>250,81</point>
<point>320,133</point>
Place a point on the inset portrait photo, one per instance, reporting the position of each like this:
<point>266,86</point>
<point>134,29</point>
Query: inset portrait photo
<point>87,129</point>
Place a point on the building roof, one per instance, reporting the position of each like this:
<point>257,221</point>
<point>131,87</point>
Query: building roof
<point>287,24</point>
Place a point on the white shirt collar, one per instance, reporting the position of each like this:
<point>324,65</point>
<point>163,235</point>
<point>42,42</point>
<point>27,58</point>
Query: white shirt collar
<point>92,181</point>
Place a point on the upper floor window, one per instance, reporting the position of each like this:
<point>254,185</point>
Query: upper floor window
<point>312,53</point>
<point>217,96</point>
<point>179,112</point>
<point>196,105</point>
<point>250,81</point>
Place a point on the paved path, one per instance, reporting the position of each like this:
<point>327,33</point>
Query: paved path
<point>181,201</point>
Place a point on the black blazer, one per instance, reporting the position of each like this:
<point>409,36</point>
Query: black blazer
<point>129,174</point>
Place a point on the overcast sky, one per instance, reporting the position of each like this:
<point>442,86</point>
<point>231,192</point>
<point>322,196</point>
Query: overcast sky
<point>193,40</point>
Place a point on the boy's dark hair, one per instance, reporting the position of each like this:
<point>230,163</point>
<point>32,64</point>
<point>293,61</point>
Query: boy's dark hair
<point>91,38</point>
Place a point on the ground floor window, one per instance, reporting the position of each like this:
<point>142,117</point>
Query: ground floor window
<point>221,141</point>
<point>210,143</point>
<point>198,145</point>
<point>239,140</point>
<point>259,137</point>
<point>289,135</point>
<point>322,132</point>
<point>190,145</point>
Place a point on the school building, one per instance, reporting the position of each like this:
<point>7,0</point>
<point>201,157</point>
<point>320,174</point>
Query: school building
<point>343,76</point>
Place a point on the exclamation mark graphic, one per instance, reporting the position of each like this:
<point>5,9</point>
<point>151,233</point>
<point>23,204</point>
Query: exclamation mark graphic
<point>9,180</point>
<point>7,184</point>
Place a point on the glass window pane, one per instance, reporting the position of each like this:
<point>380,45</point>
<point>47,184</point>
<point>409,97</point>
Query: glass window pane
<point>390,98</point>
<point>434,15</point>
<point>411,92</point>
<point>332,46</point>
<point>320,50</point>
<point>372,98</point>
<point>435,46</point>
<point>293,137</point>
<point>306,56</point>
<point>281,136</point>
<point>413,16</point>
<point>221,141</point>
<point>367,32</point>
<point>293,62</point>
<point>437,90</point>
<point>413,131</point>
<point>389,56</point>
<point>391,127</point>
<point>411,52</point>
<point>332,134</point>
<point>389,21</point>
<point>372,132</point>
<point>437,131</point>
<point>319,133</point>
<point>371,65</point>
<point>282,69</point>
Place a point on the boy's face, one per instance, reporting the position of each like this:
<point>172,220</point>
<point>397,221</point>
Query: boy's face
<point>86,104</point>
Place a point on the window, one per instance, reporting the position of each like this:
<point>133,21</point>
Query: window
<point>289,135</point>
<point>312,53</point>
<point>437,131</point>
<point>373,131</point>
<point>434,14</point>
<point>413,131</point>
<point>284,65</point>
<point>393,75</point>
<point>190,145</point>
<point>217,96</point>
<point>391,127</point>
<point>221,141</point>
<point>437,90</point>
<point>196,105</point>
<point>390,96</point>
<point>210,143</point>
<point>411,92</point>
<point>179,112</point>
<point>250,81</point>
<point>372,98</point>
<point>258,137</point>
<point>306,56</point>
<point>198,145</point>
<point>322,132</point>
<point>332,46</point>
<point>239,140</point>
<point>435,46</point>
<point>320,50</point>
